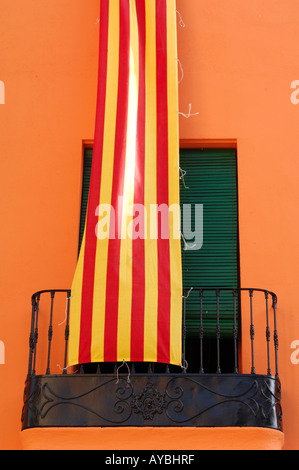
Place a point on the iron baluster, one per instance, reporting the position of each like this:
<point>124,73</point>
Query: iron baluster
<point>201,332</point>
<point>268,332</point>
<point>31,337</point>
<point>35,333</point>
<point>184,333</point>
<point>67,331</point>
<point>235,332</point>
<point>218,333</point>
<point>275,335</point>
<point>50,332</point>
<point>251,331</point>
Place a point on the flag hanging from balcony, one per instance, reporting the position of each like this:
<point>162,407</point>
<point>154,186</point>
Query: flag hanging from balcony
<point>126,295</point>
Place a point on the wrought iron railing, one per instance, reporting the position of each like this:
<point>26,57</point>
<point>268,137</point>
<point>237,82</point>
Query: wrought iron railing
<point>235,301</point>
<point>229,373</point>
<point>219,316</point>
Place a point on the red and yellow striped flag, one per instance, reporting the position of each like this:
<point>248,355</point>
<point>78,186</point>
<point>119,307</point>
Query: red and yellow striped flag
<point>126,295</point>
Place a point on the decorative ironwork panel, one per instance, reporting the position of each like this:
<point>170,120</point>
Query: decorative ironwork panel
<point>203,400</point>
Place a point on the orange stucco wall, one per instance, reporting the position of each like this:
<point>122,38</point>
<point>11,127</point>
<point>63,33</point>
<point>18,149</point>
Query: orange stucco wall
<point>239,60</point>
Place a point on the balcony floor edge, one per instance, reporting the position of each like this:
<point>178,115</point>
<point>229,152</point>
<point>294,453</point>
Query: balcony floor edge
<point>147,438</point>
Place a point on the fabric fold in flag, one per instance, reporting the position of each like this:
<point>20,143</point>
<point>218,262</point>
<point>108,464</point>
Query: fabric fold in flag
<point>127,289</point>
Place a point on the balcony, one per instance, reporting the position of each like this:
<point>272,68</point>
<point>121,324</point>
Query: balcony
<point>229,377</point>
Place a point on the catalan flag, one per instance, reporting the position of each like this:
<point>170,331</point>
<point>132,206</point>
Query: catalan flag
<point>127,295</point>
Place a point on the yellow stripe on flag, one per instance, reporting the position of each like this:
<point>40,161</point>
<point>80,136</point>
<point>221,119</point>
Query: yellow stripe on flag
<point>98,324</point>
<point>75,317</point>
<point>174,189</point>
<point>151,256</point>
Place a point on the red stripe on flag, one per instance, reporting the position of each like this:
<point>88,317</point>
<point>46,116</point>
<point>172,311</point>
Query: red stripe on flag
<point>112,286</point>
<point>138,257</point>
<point>163,340</point>
<point>94,195</point>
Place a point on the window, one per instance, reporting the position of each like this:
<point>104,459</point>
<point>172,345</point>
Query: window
<point>209,178</point>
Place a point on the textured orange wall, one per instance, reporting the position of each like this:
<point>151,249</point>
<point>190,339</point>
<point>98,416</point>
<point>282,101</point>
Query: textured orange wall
<point>239,60</point>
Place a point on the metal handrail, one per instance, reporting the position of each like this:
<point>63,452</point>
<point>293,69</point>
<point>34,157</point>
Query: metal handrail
<point>200,292</point>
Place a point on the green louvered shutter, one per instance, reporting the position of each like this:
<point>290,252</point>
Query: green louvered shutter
<point>85,191</point>
<point>211,180</point>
